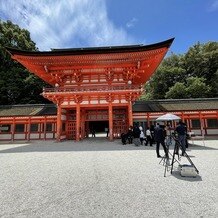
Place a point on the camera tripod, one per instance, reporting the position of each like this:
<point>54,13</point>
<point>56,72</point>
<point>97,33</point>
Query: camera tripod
<point>166,162</point>
<point>166,158</point>
<point>178,146</point>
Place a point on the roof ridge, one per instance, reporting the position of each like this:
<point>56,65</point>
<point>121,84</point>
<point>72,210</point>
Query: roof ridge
<point>26,105</point>
<point>92,50</point>
<point>177,100</point>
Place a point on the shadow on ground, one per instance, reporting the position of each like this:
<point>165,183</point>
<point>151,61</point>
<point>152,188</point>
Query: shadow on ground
<point>90,144</point>
<point>177,175</point>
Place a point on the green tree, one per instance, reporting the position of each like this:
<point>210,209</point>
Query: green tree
<point>193,88</point>
<point>201,61</point>
<point>14,87</point>
<point>197,88</point>
<point>163,79</point>
<point>178,91</point>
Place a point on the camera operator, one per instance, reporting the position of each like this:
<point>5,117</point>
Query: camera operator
<point>159,137</point>
<point>181,131</point>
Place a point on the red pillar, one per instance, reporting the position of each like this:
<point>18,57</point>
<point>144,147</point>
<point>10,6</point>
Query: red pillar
<point>130,114</point>
<point>148,120</point>
<point>28,129</point>
<point>201,123</point>
<point>13,129</point>
<point>78,122</point>
<point>110,111</point>
<point>44,130</point>
<point>183,119</point>
<point>82,126</point>
<point>59,123</point>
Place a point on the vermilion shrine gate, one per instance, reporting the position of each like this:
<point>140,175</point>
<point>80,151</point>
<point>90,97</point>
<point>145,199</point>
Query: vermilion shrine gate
<point>94,84</point>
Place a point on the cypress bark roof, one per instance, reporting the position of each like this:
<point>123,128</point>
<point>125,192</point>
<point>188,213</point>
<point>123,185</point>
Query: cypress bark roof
<point>28,110</point>
<point>139,106</point>
<point>176,105</point>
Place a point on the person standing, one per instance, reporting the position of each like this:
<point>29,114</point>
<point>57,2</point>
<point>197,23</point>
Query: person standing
<point>159,137</point>
<point>152,134</point>
<point>130,134</point>
<point>93,133</point>
<point>136,135</point>
<point>142,135</point>
<point>148,137</point>
<point>106,130</point>
<point>181,131</point>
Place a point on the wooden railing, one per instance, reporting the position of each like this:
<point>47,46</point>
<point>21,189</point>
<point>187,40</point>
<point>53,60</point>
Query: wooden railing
<point>97,88</point>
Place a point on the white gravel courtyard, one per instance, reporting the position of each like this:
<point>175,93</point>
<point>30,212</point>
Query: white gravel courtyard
<point>98,178</point>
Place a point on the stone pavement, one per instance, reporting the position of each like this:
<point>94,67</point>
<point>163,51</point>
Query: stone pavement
<point>98,178</point>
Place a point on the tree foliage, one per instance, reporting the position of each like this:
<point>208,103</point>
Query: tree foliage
<point>17,85</point>
<point>192,75</point>
<point>194,87</point>
<point>178,91</point>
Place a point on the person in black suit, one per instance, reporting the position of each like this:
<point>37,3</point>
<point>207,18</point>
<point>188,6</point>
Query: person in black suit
<point>93,133</point>
<point>136,135</point>
<point>159,137</point>
<point>130,134</point>
<point>181,130</point>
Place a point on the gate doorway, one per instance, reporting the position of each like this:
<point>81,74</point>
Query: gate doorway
<point>98,120</point>
<point>98,128</point>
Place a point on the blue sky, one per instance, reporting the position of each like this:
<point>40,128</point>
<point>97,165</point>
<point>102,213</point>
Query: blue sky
<point>88,23</point>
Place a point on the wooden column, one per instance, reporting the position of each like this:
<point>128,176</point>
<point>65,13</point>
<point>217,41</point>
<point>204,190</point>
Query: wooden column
<point>44,130</point>
<point>110,112</point>
<point>13,129</point>
<point>201,123</point>
<point>130,114</point>
<point>78,122</point>
<point>205,125</point>
<point>82,126</point>
<point>188,124</point>
<point>183,117</point>
<point>59,124</point>
<point>148,120</point>
<point>28,129</point>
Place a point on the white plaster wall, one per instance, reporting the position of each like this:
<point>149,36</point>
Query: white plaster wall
<point>19,136</point>
<point>66,103</point>
<point>5,137</point>
<point>93,102</point>
<point>34,135</point>
<point>123,101</point>
<point>212,131</point>
<point>103,101</point>
<point>197,131</point>
<point>85,102</point>
<point>49,135</point>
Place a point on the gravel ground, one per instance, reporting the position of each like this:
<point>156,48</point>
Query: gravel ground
<point>98,178</point>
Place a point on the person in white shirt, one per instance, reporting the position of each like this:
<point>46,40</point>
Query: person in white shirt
<point>142,136</point>
<point>148,137</point>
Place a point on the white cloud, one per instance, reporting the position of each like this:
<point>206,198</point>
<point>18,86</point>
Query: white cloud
<point>214,6</point>
<point>66,23</point>
<point>131,23</point>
